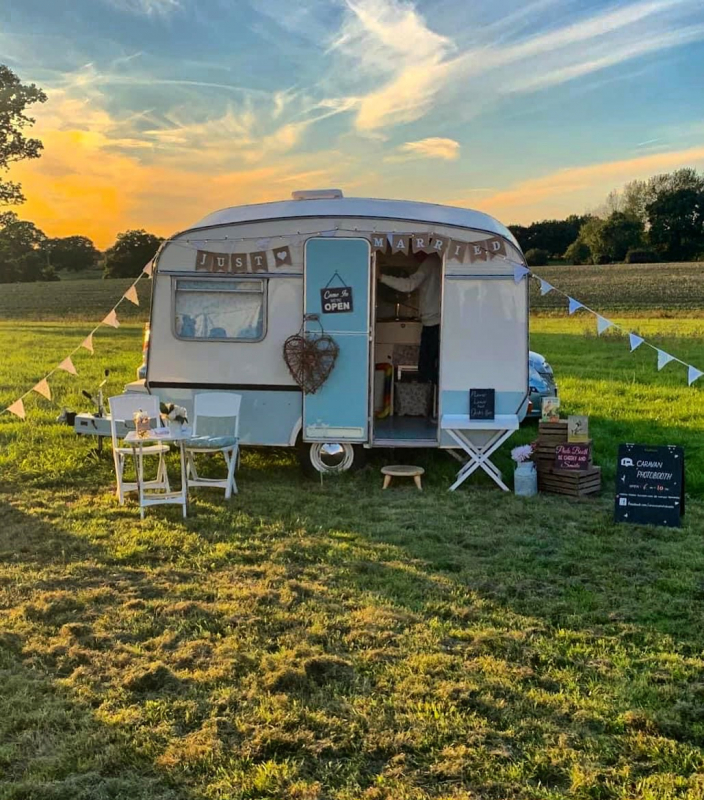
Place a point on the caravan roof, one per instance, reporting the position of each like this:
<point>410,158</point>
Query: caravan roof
<point>338,206</point>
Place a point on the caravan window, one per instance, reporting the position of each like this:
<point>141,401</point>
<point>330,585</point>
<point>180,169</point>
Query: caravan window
<point>220,309</point>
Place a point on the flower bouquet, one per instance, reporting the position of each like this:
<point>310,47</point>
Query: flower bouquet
<point>174,417</point>
<point>525,477</point>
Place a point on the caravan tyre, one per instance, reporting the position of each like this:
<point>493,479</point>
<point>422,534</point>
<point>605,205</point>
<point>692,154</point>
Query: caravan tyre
<point>330,458</point>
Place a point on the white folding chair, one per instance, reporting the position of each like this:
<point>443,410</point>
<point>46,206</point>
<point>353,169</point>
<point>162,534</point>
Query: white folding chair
<point>122,409</point>
<point>216,427</point>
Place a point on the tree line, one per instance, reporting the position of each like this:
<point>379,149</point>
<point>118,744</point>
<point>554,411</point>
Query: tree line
<point>659,219</point>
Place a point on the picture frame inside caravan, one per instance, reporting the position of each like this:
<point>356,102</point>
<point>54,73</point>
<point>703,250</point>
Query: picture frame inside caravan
<point>219,309</point>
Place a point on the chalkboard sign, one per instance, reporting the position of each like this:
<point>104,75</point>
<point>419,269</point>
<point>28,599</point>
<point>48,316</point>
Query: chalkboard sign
<point>573,456</point>
<point>650,485</point>
<point>336,300</point>
<point>481,403</point>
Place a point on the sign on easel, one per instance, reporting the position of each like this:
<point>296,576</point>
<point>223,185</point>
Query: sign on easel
<point>650,485</point>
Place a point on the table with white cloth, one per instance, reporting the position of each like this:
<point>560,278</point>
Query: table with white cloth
<point>479,439</point>
<point>160,436</point>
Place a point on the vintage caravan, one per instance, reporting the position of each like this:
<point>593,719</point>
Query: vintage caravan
<point>318,311</point>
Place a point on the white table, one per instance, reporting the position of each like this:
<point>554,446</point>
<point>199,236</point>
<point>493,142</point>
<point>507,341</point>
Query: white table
<point>479,438</point>
<point>159,436</point>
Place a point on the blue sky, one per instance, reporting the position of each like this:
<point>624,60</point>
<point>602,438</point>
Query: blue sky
<point>161,110</point>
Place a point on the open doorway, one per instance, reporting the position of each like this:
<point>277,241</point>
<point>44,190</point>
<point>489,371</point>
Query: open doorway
<point>407,315</point>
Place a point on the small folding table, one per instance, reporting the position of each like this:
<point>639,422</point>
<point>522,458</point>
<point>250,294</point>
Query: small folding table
<point>479,438</point>
<point>150,498</point>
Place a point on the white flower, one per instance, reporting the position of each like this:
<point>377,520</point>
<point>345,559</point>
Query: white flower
<point>522,453</point>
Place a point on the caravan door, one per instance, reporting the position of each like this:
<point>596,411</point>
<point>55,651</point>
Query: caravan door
<point>337,280</point>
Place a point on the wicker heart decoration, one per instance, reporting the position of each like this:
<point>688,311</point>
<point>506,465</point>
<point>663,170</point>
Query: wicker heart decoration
<point>310,359</point>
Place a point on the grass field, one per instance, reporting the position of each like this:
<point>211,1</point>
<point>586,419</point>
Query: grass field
<point>321,641</point>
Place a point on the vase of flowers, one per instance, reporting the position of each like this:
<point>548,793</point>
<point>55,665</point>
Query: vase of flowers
<point>173,416</point>
<point>525,476</point>
<point>141,423</point>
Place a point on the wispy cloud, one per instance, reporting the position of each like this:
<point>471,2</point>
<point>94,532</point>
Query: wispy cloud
<point>149,7</point>
<point>419,68</point>
<point>432,147</point>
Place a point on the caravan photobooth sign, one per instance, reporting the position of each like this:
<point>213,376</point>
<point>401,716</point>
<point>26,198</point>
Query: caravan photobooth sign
<point>278,257</point>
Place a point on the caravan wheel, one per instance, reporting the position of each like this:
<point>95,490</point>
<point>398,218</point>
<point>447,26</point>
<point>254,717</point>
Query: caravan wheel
<point>330,458</point>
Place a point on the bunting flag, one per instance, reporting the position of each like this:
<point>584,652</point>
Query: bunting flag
<point>87,343</point>
<point>664,359</point>
<point>574,305</point>
<point>131,295</point>
<point>111,320</point>
<point>636,341</point>
<point>149,269</point>
<point>545,287</point>
<point>519,272</point>
<point>67,366</point>
<point>602,324</point>
<point>693,374</point>
<point>42,388</point>
<point>17,408</point>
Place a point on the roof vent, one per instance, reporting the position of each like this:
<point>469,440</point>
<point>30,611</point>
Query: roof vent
<point>317,194</point>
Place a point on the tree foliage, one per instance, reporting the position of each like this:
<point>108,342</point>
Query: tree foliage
<point>676,220</point>
<point>130,254</point>
<point>552,235</point>
<point>15,97</point>
<point>73,253</point>
<point>535,257</point>
<point>23,255</point>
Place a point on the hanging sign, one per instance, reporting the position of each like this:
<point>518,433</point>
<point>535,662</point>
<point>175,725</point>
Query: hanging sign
<point>481,403</point>
<point>573,456</point>
<point>650,485</point>
<point>336,299</point>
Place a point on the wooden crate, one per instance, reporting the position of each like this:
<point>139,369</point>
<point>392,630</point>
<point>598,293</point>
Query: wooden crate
<point>574,483</point>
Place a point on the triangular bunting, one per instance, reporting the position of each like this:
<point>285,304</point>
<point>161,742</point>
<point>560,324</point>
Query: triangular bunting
<point>574,305</point>
<point>693,374</point>
<point>519,272</point>
<point>111,319</point>
<point>88,342</point>
<point>545,287</point>
<point>602,324</point>
<point>636,341</point>
<point>43,389</point>
<point>67,366</point>
<point>17,408</point>
<point>131,295</point>
<point>664,359</point>
<point>149,269</point>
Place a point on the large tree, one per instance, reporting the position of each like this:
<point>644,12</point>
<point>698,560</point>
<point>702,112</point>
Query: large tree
<point>23,255</point>
<point>73,253</point>
<point>610,239</point>
<point>676,222</point>
<point>130,254</point>
<point>552,235</point>
<point>15,97</point>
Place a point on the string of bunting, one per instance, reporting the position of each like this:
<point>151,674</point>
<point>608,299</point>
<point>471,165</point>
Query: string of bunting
<point>603,324</point>
<point>42,387</point>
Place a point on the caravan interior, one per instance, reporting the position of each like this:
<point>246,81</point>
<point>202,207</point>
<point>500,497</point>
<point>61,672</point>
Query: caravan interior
<point>405,399</point>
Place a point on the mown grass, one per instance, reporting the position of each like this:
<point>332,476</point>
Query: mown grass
<point>325,640</point>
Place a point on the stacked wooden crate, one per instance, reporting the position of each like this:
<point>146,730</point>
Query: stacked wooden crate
<point>572,482</point>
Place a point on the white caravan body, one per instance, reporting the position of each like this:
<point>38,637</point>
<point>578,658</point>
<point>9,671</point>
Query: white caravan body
<point>229,291</point>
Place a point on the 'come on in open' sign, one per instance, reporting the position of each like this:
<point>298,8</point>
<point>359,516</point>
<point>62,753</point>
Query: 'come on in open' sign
<point>336,300</point>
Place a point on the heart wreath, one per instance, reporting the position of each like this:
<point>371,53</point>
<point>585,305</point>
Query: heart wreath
<point>310,358</point>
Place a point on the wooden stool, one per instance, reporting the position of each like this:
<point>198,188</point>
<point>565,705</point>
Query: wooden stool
<point>402,471</point>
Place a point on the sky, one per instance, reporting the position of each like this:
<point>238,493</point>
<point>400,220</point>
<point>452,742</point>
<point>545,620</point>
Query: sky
<point>161,111</point>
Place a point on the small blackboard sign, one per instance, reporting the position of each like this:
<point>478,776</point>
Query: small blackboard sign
<point>650,485</point>
<point>481,403</point>
<point>573,456</point>
<point>336,300</point>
